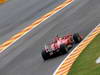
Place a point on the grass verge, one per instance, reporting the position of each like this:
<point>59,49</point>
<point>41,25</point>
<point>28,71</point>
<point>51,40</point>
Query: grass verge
<point>86,62</point>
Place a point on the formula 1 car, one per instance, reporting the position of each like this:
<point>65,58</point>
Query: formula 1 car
<point>60,45</point>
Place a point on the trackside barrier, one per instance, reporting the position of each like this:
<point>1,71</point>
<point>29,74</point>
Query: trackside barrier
<point>3,1</point>
<point>66,65</point>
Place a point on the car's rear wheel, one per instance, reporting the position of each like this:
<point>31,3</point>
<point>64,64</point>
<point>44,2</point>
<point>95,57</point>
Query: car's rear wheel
<point>63,49</point>
<point>70,46</point>
<point>77,38</point>
<point>45,55</point>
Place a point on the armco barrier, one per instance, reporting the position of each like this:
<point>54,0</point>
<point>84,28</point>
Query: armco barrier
<point>66,65</point>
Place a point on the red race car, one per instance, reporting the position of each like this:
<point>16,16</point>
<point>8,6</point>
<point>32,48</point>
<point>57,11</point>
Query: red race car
<point>60,45</point>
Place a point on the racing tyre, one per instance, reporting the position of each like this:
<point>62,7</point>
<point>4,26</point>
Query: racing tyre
<point>63,49</point>
<point>45,55</point>
<point>77,38</point>
<point>70,46</point>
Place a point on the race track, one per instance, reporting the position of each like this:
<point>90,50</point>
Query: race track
<point>24,57</point>
<point>18,14</point>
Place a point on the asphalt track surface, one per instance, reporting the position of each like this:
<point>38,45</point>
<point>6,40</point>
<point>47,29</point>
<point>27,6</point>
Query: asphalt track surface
<point>24,57</point>
<point>17,14</point>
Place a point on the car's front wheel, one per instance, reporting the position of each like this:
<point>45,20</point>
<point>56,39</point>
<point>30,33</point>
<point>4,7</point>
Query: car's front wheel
<point>77,38</point>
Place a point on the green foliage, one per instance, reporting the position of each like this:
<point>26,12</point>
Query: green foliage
<point>86,62</point>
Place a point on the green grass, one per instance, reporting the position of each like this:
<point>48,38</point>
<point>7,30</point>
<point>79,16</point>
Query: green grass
<point>86,62</point>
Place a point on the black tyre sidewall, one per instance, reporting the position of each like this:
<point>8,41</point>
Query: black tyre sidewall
<point>45,55</point>
<point>63,49</point>
<point>77,38</point>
